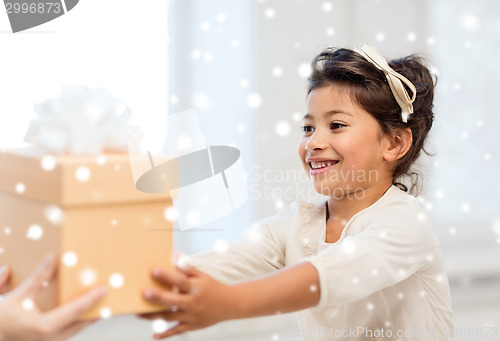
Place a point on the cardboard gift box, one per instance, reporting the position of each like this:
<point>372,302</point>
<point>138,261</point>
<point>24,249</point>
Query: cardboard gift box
<point>86,211</point>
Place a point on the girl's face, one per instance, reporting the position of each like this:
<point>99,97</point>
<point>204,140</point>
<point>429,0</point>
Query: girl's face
<point>342,148</point>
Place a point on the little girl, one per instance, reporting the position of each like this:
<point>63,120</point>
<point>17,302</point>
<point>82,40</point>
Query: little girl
<point>363,265</point>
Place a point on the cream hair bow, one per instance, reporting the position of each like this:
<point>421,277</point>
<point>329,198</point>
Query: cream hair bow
<point>395,80</point>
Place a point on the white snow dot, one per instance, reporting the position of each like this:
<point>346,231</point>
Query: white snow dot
<point>440,278</point>
<point>304,70</point>
<point>88,277</point>
<point>35,232</point>
<point>208,57</point>
<point>114,222</point>
<point>279,204</point>
<point>467,44</point>
<point>254,101</point>
<point>496,226</point>
<point>296,44</point>
<point>430,257</point>
<point>465,207</point>
<point>282,128</point>
<point>498,240</point>
<point>369,306</point>
<point>348,246</point>
<point>411,36</point>
<point>270,13</point>
<point>487,157</point>
<point>20,187</point>
<point>196,54</point>
<point>422,293</point>
<point>313,288</point>
<point>205,26</point>
<point>434,70</point>
<point>374,272</point>
<point>452,230</point>
<point>235,43</point>
<point>48,163</point>
<point>7,230</point>
<point>70,259</point>
<point>439,194</point>
<point>28,304</point>
<point>380,36</point>
<point>296,116</point>
<point>355,280</point>
<point>479,123</point>
<point>159,326</point>
<point>116,280</point>
<point>456,86</point>
<point>387,323</point>
<point>118,167</point>
<point>182,261</point>
<point>429,206</point>
<point>431,41</point>
<point>105,313</point>
<point>277,71</point>
<point>221,246</point>
<point>243,83</point>
<point>464,135</point>
<point>184,142</point>
<point>402,273</point>
<point>330,31</point>
<point>275,337</point>
<point>221,17</point>
<point>202,101</point>
<point>240,128</point>
<point>327,6</point>
<point>470,22</point>
<point>101,159</point>
<point>82,174</point>
<point>170,213</point>
<point>174,99</point>
<point>1,250</point>
<point>193,218</point>
<point>401,295</point>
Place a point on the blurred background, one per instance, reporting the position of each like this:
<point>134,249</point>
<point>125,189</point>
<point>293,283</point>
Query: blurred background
<point>243,64</point>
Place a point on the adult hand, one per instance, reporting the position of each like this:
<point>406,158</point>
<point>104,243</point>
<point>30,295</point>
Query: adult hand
<point>22,320</point>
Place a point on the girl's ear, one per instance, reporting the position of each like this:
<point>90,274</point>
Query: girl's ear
<point>397,144</point>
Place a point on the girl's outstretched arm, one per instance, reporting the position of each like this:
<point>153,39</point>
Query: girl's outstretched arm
<point>198,300</point>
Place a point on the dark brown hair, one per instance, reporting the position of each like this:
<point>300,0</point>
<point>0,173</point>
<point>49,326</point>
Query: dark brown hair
<point>369,88</point>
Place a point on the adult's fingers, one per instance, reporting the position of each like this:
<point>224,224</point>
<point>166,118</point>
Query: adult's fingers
<point>43,273</point>
<point>4,278</point>
<point>66,314</point>
<point>172,278</point>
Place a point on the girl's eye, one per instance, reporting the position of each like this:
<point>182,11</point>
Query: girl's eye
<point>307,129</point>
<point>335,125</point>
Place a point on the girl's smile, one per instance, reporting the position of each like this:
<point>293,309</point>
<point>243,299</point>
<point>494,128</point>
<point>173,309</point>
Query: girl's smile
<point>342,148</point>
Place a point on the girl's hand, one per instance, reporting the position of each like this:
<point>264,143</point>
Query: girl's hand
<point>21,319</point>
<point>195,301</point>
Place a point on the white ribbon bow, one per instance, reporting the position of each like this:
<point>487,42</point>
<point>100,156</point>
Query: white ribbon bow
<point>395,80</point>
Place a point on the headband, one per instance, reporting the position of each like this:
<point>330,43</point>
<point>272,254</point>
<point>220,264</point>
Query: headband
<point>394,79</point>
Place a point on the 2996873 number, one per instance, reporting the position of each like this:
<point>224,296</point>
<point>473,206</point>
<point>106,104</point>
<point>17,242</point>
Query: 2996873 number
<point>25,7</point>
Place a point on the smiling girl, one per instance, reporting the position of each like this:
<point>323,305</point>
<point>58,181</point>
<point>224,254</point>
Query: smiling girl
<point>364,264</point>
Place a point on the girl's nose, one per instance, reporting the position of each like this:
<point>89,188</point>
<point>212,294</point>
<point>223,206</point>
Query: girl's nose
<point>315,142</point>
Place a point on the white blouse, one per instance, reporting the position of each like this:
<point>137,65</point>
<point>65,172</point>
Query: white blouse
<point>382,280</point>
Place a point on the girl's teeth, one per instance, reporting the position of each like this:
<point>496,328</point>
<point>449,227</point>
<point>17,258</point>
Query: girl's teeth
<point>322,165</point>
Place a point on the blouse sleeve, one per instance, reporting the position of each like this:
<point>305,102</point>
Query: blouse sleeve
<point>260,251</point>
<point>390,249</point>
